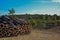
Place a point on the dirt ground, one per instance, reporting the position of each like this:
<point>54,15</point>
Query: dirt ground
<point>36,35</point>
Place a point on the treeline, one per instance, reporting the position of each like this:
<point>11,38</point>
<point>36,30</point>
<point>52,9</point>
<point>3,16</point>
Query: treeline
<point>43,21</point>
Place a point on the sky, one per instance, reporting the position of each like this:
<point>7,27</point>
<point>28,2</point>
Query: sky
<point>30,6</point>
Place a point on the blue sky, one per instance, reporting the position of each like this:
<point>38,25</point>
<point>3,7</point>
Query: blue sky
<point>31,6</point>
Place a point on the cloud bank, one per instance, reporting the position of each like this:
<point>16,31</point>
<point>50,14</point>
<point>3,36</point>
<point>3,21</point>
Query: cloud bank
<point>56,1</point>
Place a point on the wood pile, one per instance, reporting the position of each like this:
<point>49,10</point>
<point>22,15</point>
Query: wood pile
<point>13,27</point>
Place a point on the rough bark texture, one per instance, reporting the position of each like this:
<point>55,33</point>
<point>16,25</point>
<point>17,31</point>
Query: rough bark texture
<point>13,27</point>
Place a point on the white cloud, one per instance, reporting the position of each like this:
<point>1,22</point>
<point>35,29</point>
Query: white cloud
<point>56,1</point>
<point>34,12</point>
<point>45,12</point>
<point>42,1</point>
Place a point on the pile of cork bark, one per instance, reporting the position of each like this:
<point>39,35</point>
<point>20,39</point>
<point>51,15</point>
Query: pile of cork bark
<point>13,27</point>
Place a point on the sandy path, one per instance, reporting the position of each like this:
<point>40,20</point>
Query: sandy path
<point>36,35</point>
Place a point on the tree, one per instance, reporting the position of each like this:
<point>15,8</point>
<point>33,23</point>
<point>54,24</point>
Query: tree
<point>31,20</point>
<point>11,11</point>
<point>55,19</point>
<point>47,17</point>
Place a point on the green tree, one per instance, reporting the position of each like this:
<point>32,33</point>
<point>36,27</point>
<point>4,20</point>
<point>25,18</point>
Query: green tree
<point>11,11</point>
<point>55,19</point>
<point>47,17</point>
<point>31,20</point>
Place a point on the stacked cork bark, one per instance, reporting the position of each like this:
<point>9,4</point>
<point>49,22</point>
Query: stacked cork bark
<point>13,27</point>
